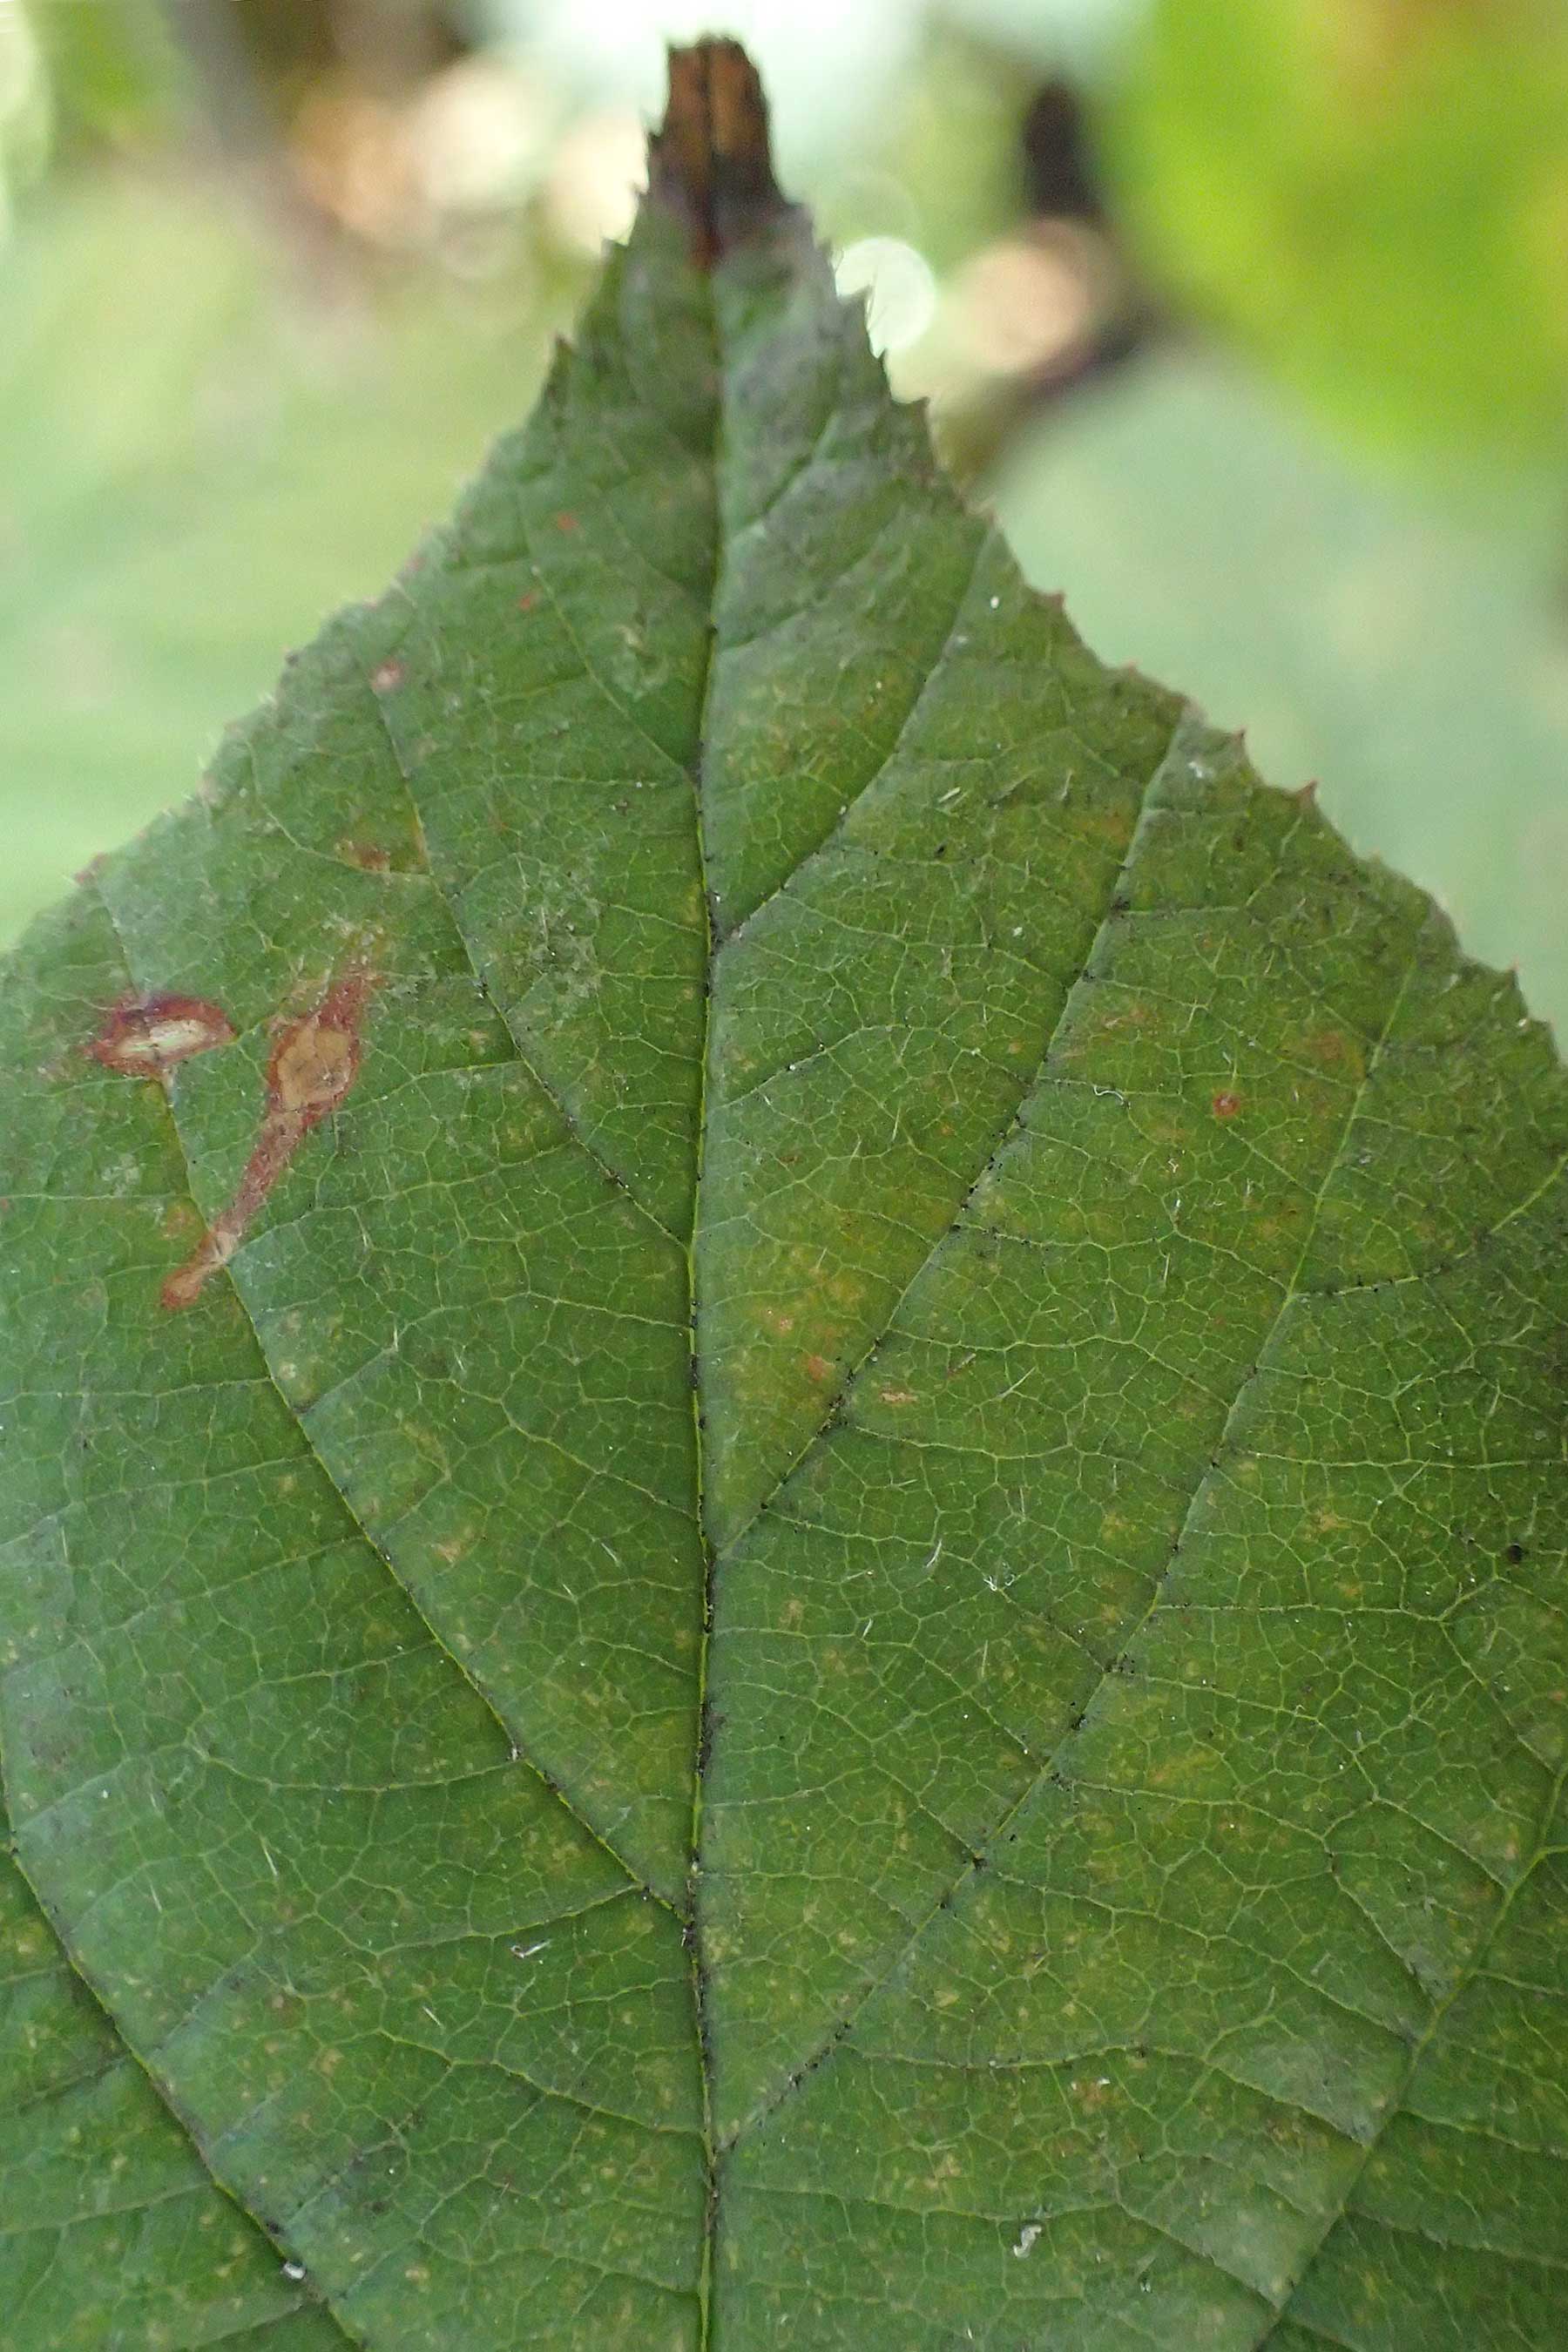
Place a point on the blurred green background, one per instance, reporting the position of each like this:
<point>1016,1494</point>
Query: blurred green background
<point>1249,317</point>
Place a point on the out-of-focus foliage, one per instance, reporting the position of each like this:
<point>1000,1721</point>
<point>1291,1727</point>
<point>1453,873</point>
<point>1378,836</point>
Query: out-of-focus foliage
<point>114,74</point>
<point>24,107</point>
<point>1418,669</point>
<point>1080,36</point>
<point>203,463</point>
<point>1374,194</point>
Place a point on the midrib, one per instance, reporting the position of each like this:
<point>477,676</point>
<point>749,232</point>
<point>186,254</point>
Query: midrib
<point>694,1925</point>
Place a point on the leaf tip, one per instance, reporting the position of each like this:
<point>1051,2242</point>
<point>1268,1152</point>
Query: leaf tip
<point>710,161</point>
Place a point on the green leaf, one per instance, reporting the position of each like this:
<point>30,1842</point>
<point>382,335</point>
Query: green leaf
<point>783,1499</point>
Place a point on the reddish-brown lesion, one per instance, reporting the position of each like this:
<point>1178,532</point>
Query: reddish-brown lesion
<point>370,857</point>
<point>313,1063</point>
<point>143,1036</point>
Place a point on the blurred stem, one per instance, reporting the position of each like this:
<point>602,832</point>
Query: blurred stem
<point>240,124</point>
<point>387,49</point>
<point>236,112</point>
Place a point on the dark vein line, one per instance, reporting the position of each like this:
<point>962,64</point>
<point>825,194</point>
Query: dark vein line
<point>1318,2335</point>
<point>803,466</point>
<point>442,884</point>
<point>997,1140</point>
<point>106,2209</point>
<point>1467,2245</point>
<point>167,2105</point>
<point>818,850</point>
<point>310,2306</point>
<point>506,1730</point>
<point>860,557</point>
<point>1089,2208</point>
<point>546,2091</point>
<point>1398,2104</point>
<point>981,1855</point>
<point>164,2094</point>
<point>716,945</point>
<point>704,1732</point>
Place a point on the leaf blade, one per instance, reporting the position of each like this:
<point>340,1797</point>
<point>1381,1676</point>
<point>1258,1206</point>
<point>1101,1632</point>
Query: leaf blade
<point>1093,1649</point>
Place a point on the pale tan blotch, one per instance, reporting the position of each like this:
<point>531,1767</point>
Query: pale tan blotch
<point>144,1036</point>
<point>313,1065</point>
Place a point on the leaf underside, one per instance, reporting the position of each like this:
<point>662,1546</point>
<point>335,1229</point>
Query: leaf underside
<point>783,1512</point>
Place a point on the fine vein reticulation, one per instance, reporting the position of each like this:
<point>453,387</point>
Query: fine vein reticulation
<point>842,1620</point>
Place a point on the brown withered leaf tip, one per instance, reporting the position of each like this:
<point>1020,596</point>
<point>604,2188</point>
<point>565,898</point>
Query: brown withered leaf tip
<point>710,163</point>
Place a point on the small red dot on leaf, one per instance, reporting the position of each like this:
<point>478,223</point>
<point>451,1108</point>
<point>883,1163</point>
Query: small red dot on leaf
<point>526,604</point>
<point>387,676</point>
<point>564,521</point>
<point>1226,1106</point>
<point>368,855</point>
